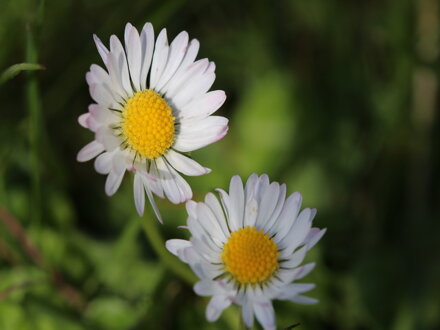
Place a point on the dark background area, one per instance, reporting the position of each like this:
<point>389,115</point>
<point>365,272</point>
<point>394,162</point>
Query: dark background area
<point>337,99</point>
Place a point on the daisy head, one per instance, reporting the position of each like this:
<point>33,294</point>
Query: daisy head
<point>247,246</point>
<point>152,105</point>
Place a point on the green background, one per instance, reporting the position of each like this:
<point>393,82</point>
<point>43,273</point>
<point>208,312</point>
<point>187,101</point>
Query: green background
<point>338,99</point>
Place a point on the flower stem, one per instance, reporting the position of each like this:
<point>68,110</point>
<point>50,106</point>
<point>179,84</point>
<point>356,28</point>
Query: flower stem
<point>34,110</point>
<point>158,244</point>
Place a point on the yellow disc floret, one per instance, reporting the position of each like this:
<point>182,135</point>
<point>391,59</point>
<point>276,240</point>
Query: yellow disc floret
<point>250,256</point>
<point>148,124</point>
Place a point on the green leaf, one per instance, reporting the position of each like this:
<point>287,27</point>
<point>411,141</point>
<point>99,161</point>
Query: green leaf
<point>114,312</point>
<point>15,69</point>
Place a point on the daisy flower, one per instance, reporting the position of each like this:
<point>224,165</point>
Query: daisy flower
<point>152,105</point>
<point>247,248</point>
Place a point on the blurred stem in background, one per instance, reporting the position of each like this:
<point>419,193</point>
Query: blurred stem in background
<point>35,121</point>
<point>158,244</point>
<point>230,315</point>
<point>68,292</point>
<point>34,108</point>
<point>425,102</point>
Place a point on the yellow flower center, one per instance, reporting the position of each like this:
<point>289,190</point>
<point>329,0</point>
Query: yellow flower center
<point>250,256</point>
<point>148,124</point>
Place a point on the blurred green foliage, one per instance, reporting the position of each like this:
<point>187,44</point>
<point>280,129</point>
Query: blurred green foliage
<point>337,99</point>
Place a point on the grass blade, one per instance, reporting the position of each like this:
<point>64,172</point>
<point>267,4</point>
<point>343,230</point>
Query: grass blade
<point>15,69</point>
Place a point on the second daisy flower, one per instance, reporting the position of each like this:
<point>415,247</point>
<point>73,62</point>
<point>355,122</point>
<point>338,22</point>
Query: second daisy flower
<point>247,248</point>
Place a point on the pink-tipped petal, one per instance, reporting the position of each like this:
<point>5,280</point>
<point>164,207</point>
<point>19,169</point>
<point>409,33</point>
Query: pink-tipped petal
<point>89,151</point>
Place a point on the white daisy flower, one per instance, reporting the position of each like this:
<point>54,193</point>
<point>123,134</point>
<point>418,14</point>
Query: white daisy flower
<point>247,248</point>
<point>152,105</point>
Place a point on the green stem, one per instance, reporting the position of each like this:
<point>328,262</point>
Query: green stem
<point>171,262</point>
<point>34,109</point>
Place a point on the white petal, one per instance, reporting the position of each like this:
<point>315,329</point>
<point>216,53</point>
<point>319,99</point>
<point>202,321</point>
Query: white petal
<point>270,291</point>
<point>170,187</point>
<point>82,119</point>
<point>265,315</point>
<point>297,233</point>
<point>192,72</point>
<point>147,47</point>
<point>193,140</point>
<point>303,300</point>
<point>189,126</point>
<point>153,203</point>
<point>102,50</point>
<point>155,184</point>
<point>93,124</point>
<point>118,50</point>
<point>224,198</point>
<point>268,226</point>
<point>212,202</point>
<point>177,52</point>
<point>261,186</point>
<point>288,215</point>
<point>204,288</point>
<point>115,68</point>
<point>194,88</point>
<point>139,194</point>
<point>251,213</point>
<point>210,68</point>
<point>175,245</point>
<point>91,79</point>
<point>191,208</point>
<point>134,54</point>
<point>113,182</point>
<point>288,275</point>
<point>291,290</point>
<point>89,151</point>
<point>184,187</point>
<point>249,189</point>
<point>189,58</point>
<point>119,162</point>
<point>184,164</point>
<point>247,312</point>
<point>304,270</point>
<point>127,31</point>
<point>216,306</point>
<point>101,95</point>
<point>195,265</point>
<point>106,137</point>
<point>103,163</point>
<point>208,288</point>
<point>208,220</point>
<point>313,237</point>
<point>197,231</point>
<point>101,114</point>
<point>98,76</point>
<point>302,287</point>
<point>268,203</point>
<point>236,197</point>
<point>175,187</point>
<point>207,246</point>
<point>296,258</point>
<point>204,106</point>
<point>160,58</point>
